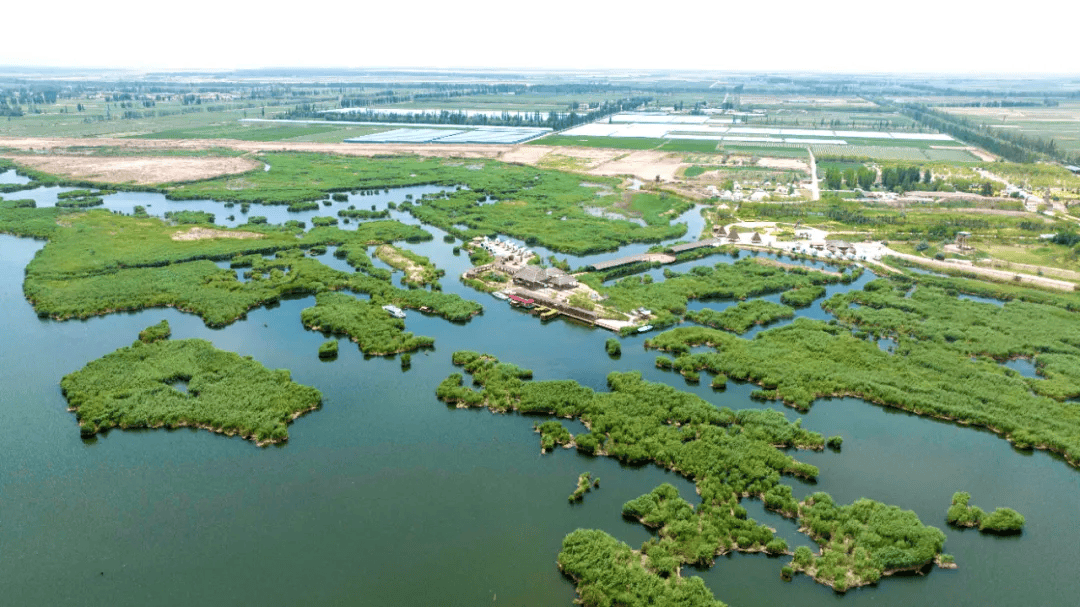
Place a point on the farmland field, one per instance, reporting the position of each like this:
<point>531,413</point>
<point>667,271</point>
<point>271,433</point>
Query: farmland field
<point>251,132</point>
<point>914,154</point>
<point>1061,123</point>
<point>625,143</point>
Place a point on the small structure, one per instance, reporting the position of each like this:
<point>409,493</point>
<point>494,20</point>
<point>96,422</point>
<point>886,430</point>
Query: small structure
<point>718,230</point>
<point>756,238</point>
<point>530,277</point>
<point>839,246</point>
<point>962,241</point>
<point>563,281</point>
<point>733,235</point>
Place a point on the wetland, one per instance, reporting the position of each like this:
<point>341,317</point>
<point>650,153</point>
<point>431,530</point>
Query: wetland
<point>386,493</point>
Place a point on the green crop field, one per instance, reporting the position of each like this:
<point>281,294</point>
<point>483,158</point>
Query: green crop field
<point>623,143</point>
<point>689,145</point>
<point>259,132</point>
<point>879,152</point>
<point>1060,123</point>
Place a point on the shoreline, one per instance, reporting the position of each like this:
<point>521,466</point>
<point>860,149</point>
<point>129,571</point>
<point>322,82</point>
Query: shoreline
<point>201,426</point>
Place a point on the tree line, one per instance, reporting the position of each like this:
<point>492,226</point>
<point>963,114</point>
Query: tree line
<point>1014,146</point>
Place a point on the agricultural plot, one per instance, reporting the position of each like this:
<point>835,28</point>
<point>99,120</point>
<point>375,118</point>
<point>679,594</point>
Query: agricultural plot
<point>705,133</point>
<point>103,118</point>
<point>1060,123</point>
<point>622,143</point>
<point>682,126</point>
<point>877,152</point>
<point>241,131</point>
<point>502,135</point>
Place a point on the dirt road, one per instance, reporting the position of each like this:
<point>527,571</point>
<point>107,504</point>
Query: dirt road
<point>1040,281</point>
<point>815,189</point>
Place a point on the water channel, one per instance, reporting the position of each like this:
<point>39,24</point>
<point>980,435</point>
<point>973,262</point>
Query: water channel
<point>387,497</point>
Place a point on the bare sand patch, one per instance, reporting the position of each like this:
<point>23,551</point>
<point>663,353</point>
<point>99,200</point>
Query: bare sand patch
<point>788,164</point>
<point>646,165</point>
<point>198,233</point>
<point>585,158</point>
<point>526,154</point>
<point>142,170</point>
<point>982,154</point>
<point>413,271</point>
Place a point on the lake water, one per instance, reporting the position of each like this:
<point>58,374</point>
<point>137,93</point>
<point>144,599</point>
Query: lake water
<point>387,497</point>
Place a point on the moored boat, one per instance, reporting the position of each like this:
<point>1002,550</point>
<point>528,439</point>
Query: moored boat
<point>395,311</point>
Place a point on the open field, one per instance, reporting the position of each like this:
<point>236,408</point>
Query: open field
<point>644,164</point>
<point>1060,123</point>
<point>915,154</point>
<point>140,170</point>
<point>247,131</point>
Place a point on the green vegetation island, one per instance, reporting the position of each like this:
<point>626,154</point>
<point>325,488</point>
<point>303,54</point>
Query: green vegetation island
<point>1002,521</point>
<point>730,456</point>
<point>585,483</point>
<point>947,363</point>
<point>136,387</point>
<point>99,262</point>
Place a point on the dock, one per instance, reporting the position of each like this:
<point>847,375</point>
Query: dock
<point>549,307</point>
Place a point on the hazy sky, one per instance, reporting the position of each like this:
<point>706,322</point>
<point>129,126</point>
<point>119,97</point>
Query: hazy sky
<point>837,35</point>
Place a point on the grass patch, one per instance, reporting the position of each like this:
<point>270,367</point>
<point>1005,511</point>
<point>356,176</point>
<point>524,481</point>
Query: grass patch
<point>239,131</point>
<point>622,143</point>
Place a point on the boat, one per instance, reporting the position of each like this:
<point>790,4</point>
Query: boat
<point>395,311</point>
<point>521,302</point>
<point>500,295</point>
<point>644,329</point>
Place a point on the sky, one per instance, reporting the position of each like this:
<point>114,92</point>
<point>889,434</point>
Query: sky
<point>852,36</point>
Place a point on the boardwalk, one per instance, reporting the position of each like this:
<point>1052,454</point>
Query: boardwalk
<point>708,242</point>
<point>623,261</point>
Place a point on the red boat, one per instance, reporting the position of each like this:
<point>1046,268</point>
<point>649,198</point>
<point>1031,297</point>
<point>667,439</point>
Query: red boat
<point>521,302</point>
